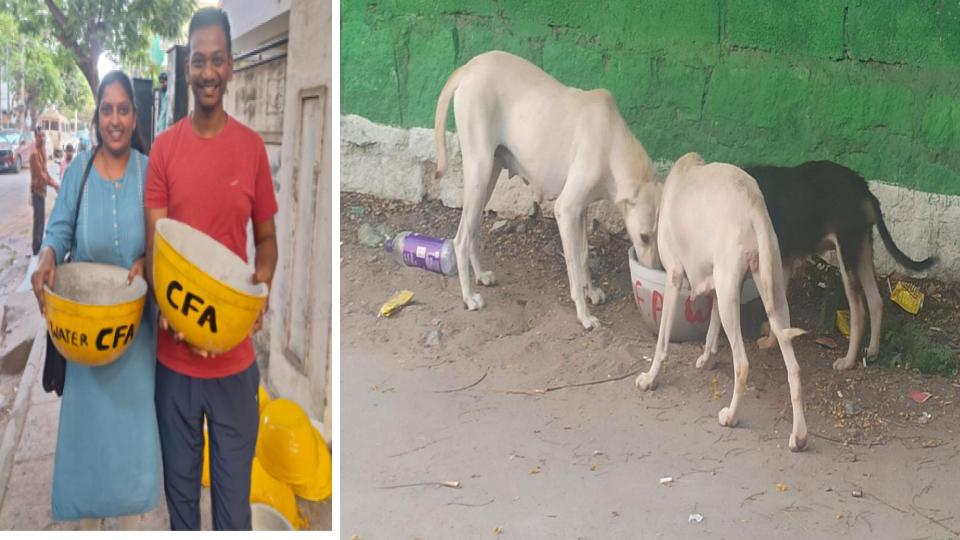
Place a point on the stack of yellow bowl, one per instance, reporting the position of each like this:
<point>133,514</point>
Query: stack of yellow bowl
<point>292,459</point>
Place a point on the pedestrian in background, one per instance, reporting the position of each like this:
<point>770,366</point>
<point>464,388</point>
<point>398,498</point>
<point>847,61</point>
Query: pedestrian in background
<point>67,158</point>
<point>162,105</point>
<point>39,180</point>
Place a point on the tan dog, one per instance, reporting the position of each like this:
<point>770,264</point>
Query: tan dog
<point>713,228</point>
<point>569,144</point>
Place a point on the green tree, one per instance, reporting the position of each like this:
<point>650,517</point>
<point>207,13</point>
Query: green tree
<point>86,28</point>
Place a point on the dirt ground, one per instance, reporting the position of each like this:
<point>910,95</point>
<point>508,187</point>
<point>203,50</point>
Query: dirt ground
<point>488,408</point>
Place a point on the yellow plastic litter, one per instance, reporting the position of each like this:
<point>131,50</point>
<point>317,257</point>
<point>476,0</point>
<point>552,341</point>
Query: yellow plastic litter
<point>907,296</point>
<point>395,303</point>
<point>319,487</point>
<point>262,398</point>
<point>92,313</point>
<point>266,489</point>
<point>287,445</point>
<point>843,322</point>
<point>204,290</point>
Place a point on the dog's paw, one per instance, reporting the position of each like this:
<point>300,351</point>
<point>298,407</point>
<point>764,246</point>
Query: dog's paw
<point>486,278</point>
<point>843,363</point>
<point>767,342</point>
<point>645,382</point>
<point>474,302</point>
<point>590,322</point>
<point>706,361</point>
<point>726,418</point>
<point>797,444</point>
<point>596,295</point>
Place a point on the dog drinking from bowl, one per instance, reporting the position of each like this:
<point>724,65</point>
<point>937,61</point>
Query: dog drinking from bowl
<point>568,144</point>
<point>715,260</point>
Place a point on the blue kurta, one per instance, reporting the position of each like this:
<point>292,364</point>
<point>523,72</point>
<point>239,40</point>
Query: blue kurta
<point>108,447</point>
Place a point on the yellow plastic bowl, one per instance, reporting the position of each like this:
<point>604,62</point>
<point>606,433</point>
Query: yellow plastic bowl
<point>319,486</point>
<point>92,313</point>
<point>267,490</point>
<point>204,290</point>
<point>287,442</point>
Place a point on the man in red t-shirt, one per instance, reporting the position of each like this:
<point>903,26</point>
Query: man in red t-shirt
<point>211,172</point>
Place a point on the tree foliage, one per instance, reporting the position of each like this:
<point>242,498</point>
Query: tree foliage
<point>87,28</point>
<point>50,75</point>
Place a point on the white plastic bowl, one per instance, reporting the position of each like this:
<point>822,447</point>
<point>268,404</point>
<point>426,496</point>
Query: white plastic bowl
<point>265,518</point>
<point>692,318</point>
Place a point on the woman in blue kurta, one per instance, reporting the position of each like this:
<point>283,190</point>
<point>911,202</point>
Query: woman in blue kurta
<point>108,448</point>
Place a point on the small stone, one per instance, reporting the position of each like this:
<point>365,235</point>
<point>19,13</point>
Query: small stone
<point>857,493</point>
<point>522,228</point>
<point>500,227</point>
<point>372,258</point>
<point>368,236</point>
<point>432,338</point>
<point>850,407</point>
<point>384,231</point>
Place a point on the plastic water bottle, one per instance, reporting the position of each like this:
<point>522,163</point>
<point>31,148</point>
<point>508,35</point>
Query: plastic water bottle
<point>433,254</point>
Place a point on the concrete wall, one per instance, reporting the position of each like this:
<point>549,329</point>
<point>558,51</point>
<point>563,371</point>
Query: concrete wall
<point>301,296</point>
<point>873,85</point>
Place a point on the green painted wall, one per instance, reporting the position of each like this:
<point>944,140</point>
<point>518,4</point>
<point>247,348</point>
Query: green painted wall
<point>873,84</point>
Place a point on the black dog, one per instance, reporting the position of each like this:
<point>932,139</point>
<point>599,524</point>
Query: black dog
<point>821,205</point>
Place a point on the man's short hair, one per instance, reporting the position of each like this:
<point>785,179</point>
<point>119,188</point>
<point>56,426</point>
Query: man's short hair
<point>69,148</point>
<point>163,76</point>
<point>210,16</point>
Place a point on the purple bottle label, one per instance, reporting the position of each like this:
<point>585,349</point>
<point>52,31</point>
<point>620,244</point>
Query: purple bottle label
<point>423,251</point>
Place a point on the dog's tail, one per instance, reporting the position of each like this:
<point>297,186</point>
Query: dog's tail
<point>898,255</point>
<point>768,255</point>
<point>687,162</point>
<point>440,121</point>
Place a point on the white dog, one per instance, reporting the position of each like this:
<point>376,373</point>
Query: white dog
<point>713,228</point>
<point>569,144</point>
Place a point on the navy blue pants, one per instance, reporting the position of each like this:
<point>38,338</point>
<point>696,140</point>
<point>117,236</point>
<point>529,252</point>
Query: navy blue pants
<point>230,407</point>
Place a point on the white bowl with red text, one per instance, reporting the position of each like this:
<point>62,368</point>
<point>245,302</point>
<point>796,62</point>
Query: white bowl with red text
<point>691,318</point>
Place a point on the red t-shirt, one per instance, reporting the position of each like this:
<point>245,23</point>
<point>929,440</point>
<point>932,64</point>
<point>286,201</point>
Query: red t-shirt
<point>215,185</point>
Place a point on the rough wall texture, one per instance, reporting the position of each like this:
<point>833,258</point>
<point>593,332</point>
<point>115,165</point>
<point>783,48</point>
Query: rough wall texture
<point>399,164</point>
<point>874,85</point>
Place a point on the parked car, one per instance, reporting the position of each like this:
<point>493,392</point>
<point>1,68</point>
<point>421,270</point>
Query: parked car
<point>15,148</point>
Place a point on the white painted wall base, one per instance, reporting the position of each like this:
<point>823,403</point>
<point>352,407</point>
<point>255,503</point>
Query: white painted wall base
<point>397,163</point>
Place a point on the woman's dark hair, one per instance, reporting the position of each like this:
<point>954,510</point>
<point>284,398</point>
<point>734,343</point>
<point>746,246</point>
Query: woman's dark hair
<point>210,16</point>
<point>117,76</point>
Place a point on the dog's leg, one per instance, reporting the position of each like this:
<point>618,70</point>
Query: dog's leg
<point>707,360</point>
<point>728,303</point>
<point>848,269</point>
<point>648,380</point>
<point>476,174</point>
<point>484,277</point>
<point>569,211</point>
<point>779,324</point>
<point>770,340</point>
<point>868,279</point>
<point>594,294</point>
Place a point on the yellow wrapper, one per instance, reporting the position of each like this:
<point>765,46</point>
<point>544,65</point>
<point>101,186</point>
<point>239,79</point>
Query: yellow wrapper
<point>907,296</point>
<point>395,303</point>
<point>843,322</point>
